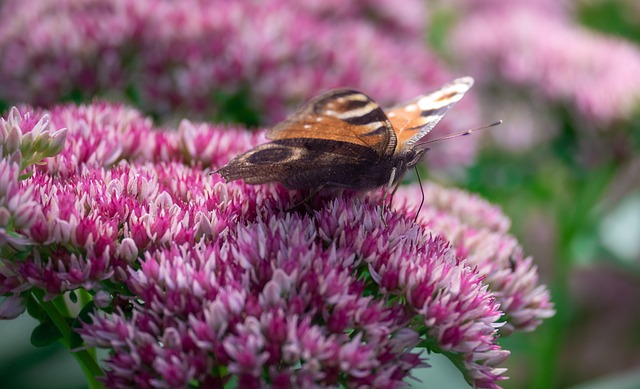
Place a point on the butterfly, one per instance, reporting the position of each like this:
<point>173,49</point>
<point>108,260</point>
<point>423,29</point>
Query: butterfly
<point>344,139</point>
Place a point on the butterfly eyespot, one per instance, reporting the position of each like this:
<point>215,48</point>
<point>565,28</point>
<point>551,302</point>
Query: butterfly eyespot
<point>271,155</point>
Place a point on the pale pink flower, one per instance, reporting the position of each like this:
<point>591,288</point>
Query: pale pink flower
<point>533,56</point>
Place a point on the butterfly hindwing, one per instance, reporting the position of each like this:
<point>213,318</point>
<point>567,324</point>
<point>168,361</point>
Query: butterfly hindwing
<point>342,115</point>
<point>300,163</point>
<point>415,119</point>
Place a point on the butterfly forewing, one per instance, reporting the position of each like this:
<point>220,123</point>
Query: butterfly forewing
<point>412,121</point>
<point>341,115</point>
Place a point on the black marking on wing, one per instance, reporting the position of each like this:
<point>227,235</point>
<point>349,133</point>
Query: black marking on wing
<point>433,111</point>
<point>351,104</point>
<point>377,131</point>
<point>375,115</point>
<point>271,155</point>
<point>325,149</point>
<point>329,163</point>
<point>303,163</point>
<point>319,105</point>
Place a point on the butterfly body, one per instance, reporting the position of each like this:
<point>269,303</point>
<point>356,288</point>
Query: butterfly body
<point>343,139</point>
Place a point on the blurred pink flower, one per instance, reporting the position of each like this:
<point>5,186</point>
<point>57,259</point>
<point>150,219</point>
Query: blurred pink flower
<point>221,278</point>
<point>213,58</point>
<point>536,46</point>
<point>12,307</point>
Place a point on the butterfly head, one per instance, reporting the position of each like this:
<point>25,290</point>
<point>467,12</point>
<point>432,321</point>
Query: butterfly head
<point>407,159</point>
<point>415,155</point>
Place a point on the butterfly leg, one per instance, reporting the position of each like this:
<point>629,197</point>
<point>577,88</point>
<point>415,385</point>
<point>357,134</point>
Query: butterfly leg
<point>421,192</point>
<point>387,195</point>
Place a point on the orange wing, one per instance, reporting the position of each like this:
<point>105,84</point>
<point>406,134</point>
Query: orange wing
<point>340,115</point>
<point>413,120</point>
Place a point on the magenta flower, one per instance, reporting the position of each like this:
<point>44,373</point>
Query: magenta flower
<point>197,280</point>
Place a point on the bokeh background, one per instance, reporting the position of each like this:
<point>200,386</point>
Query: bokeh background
<point>565,166</point>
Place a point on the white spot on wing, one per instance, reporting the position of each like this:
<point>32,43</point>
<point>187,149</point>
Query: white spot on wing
<point>358,112</point>
<point>358,97</point>
<point>426,104</point>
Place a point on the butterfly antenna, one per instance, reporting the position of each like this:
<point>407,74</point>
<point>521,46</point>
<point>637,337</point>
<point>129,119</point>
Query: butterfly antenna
<point>421,191</point>
<point>465,133</point>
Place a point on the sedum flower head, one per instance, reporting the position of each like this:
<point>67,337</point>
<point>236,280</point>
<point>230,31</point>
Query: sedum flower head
<point>26,141</point>
<point>198,280</point>
<point>479,233</point>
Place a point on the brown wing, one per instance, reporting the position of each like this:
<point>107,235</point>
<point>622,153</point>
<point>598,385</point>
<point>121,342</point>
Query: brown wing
<point>304,163</point>
<point>341,115</point>
<point>413,120</point>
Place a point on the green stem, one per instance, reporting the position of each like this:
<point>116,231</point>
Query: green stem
<point>89,366</point>
<point>61,306</point>
<point>85,298</point>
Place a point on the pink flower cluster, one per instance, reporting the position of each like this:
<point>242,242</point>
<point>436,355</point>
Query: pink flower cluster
<point>478,231</point>
<point>177,55</point>
<point>207,280</point>
<point>235,61</point>
<point>538,45</point>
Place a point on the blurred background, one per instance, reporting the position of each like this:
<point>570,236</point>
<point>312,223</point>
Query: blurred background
<point>565,165</point>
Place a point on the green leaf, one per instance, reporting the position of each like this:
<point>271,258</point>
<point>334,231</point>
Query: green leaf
<point>232,383</point>
<point>45,334</point>
<point>441,24</point>
<point>26,175</point>
<point>83,317</point>
<point>236,107</point>
<point>75,340</point>
<point>611,17</point>
<point>35,310</point>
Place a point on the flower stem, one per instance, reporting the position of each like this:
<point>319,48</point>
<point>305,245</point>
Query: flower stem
<point>89,366</point>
